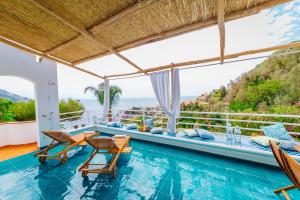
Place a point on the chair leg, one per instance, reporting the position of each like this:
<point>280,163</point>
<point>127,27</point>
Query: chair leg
<point>284,189</point>
<point>285,195</point>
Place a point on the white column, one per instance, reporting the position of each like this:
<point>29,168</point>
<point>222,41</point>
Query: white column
<point>106,100</point>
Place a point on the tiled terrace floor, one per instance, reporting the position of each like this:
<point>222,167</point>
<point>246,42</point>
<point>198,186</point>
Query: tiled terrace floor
<point>12,151</point>
<point>150,172</point>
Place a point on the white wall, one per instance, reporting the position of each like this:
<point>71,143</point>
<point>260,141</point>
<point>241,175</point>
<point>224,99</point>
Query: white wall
<point>14,62</point>
<point>18,133</point>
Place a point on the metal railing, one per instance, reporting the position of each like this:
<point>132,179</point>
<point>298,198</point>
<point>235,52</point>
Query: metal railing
<point>249,123</point>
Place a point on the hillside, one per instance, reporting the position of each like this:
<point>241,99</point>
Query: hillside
<point>13,97</point>
<point>273,86</point>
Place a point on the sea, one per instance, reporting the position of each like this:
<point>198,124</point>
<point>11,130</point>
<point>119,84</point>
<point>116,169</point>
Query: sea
<point>128,103</point>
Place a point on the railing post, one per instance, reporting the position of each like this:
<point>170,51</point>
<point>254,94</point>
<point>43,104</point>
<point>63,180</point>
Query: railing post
<point>143,117</point>
<point>88,117</point>
<point>227,119</point>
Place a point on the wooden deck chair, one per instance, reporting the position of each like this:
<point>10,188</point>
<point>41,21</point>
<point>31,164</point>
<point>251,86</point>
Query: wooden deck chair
<point>62,138</point>
<point>293,168</point>
<point>109,145</point>
<point>277,154</point>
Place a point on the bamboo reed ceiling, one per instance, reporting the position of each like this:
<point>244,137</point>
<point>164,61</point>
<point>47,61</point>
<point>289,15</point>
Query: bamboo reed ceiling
<point>76,31</point>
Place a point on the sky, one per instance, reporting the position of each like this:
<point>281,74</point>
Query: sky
<point>270,27</point>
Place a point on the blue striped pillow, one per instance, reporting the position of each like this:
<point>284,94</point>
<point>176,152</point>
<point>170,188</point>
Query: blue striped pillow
<point>288,145</point>
<point>276,131</point>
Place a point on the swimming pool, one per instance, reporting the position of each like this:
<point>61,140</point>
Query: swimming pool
<point>152,171</point>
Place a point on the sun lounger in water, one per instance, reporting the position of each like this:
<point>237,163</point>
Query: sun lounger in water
<point>289,166</point>
<point>113,146</point>
<point>68,141</point>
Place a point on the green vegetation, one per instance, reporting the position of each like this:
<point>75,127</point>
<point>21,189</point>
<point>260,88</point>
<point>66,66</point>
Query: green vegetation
<point>115,93</point>
<point>5,111</point>
<point>70,105</point>
<point>25,111</point>
<point>271,87</point>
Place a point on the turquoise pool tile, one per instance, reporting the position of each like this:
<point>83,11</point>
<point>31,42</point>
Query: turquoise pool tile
<point>162,196</point>
<point>237,193</point>
<point>98,187</point>
<point>263,191</point>
<point>294,194</point>
<point>20,193</point>
<point>133,190</point>
<point>191,193</point>
<point>149,172</point>
<point>235,164</point>
<point>172,186</point>
<point>238,178</point>
<point>259,179</point>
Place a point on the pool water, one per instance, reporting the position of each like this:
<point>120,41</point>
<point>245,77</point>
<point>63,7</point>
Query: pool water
<point>151,171</point>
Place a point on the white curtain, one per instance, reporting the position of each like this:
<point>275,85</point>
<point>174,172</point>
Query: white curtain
<point>106,99</point>
<point>175,111</point>
<point>160,83</point>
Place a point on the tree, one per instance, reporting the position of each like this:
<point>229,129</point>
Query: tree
<point>71,105</point>
<point>115,93</point>
<point>5,111</point>
<point>24,111</point>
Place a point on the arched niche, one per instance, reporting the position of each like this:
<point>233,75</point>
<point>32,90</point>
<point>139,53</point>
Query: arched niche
<point>43,75</point>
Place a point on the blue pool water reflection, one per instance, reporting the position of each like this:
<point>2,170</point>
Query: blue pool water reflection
<point>150,172</point>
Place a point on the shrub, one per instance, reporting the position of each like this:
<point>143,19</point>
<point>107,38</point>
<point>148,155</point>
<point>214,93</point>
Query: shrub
<point>24,111</point>
<point>5,111</point>
<point>70,105</point>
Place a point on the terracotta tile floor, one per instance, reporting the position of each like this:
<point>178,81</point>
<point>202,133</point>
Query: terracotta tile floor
<point>12,151</point>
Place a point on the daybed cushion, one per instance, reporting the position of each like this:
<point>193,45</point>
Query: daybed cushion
<point>288,145</point>
<point>132,126</point>
<point>114,124</point>
<point>264,140</point>
<point>118,125</point>
<point>276,131</point>
<point>205,134</point>
<point>149,123</point>
<point>110,124</point>
<point>157,130</point>
<point>190,132</point>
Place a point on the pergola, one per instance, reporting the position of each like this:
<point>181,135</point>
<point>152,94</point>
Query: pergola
<point>73,32</point>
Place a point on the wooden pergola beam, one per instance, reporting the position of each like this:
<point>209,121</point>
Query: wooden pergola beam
<point>220,17</point>
<point>41,54</point>
<point>188,28</point>
<point>127,11</point>
<point>81,29</point>
<point>213,59</point>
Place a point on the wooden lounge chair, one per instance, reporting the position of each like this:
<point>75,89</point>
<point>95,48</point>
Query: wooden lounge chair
<point>68,141</point>
<point>109,145</point>
<point>277,154</point>
<point>293,168</point>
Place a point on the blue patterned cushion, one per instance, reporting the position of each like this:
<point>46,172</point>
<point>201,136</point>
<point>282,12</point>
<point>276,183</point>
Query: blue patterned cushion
<point>110,124</point>
<point>114,124</point>
<point>149,123</point>
<point>118,125</point>
<point>276,131</point>
<point>158,130</point>
<point>190,132</point>
<point>263,140</point>
<point>132,126</point>
<point>288,145</point>
<point>205,134</point>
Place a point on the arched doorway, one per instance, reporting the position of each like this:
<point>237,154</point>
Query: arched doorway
<point>17,107</point>
<point>43,75</point>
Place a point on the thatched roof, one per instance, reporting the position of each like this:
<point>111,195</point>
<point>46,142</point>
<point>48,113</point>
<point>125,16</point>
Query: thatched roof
<point>76,31</point>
